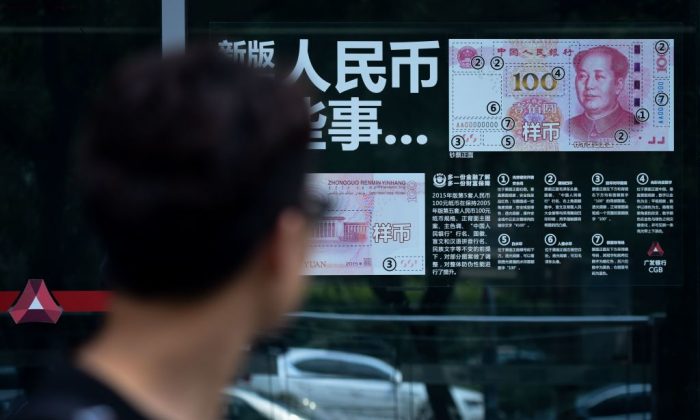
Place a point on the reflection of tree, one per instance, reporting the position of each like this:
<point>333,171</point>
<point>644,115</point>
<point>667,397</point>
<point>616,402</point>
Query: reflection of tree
<point>51,157</point>
<point>47,77</point>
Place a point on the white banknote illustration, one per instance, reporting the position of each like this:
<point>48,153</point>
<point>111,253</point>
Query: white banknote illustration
<point>561,95</point>
<point>376,225</point>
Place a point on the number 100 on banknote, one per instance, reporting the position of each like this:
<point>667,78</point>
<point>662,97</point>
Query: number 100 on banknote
<point>376,224</point>
<point>561,95</point>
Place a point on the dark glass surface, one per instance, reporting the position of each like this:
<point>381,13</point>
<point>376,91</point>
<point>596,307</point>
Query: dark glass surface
<point>57,52</point>
<point>55,55</point>
<point>526,370</point>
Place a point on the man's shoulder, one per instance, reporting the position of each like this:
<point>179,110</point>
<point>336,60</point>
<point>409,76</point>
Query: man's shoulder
<point>621,119</point>
<point>63,407</point>
<point>626,115</point>
<point>71,394</point>
<point>578,126</point>
<point>578,120</point>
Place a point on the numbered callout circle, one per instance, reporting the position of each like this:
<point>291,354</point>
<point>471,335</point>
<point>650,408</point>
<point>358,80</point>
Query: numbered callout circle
<point>642,178</point>
<point>550,179</point>
<point>661,47</point>
<point>497,63</point>
<point>508,142</point>
<point>597,178</point>
<point>507,123</point>
<point>621,136</point>
<point>597,239</point>
<point>558,73</point>
<point>661,99</point>
<point>503,179</point>
<point>457,141</point>
<point>641,115</point>
<point>389,264</point>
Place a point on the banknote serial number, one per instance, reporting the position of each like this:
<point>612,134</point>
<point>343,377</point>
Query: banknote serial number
<point>478,124</point>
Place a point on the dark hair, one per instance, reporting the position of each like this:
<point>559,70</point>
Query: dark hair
<point>618,61</point>
<point>187,163</point>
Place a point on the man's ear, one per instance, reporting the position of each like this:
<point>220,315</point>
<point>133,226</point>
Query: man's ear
<point>288,243</point>
<point>619,85</point>
<point>283,260</point>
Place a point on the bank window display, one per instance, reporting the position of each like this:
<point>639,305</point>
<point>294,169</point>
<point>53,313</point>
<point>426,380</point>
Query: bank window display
<point>508,227</point>
<point>512,189</point>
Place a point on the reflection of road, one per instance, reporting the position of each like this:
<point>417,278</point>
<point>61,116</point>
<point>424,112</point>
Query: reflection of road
<point>354,386</point>
<point>242,404</point>
<point>612,402</point>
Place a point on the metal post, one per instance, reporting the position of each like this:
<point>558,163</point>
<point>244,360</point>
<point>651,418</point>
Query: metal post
<point>655,323</point>
<point>172,25</point>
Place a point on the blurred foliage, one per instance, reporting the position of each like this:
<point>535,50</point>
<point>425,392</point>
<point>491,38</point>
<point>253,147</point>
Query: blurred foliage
<point>55,54</point>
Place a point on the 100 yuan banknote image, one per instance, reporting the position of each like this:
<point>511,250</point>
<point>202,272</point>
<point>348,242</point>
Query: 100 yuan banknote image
<point>561,95</point>
<point>376,225</point>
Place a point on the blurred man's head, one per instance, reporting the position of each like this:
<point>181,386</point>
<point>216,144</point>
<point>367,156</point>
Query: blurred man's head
<point>194,171</point>
<point>600,77</point>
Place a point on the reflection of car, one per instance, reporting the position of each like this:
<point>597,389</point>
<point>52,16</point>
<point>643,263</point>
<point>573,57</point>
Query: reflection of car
<point>361,344</point>
<point>615,402</point>
<point>11,400</point>
<point>246,405</point>
<point>355,386</point>
<point>510,355</point>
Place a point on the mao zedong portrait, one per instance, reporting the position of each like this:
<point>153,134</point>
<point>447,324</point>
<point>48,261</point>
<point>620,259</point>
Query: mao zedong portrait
<point>600,78</point>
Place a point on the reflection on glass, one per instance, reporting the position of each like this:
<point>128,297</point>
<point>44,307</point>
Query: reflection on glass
<point>346,385</point>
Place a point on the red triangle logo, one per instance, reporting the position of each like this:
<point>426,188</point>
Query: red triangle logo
<point>35,304</point>
<point>655,250</point>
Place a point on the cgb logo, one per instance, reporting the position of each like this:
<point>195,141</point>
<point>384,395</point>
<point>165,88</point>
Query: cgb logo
<point>655,250</point>
<point>35,304</point>
<point>655,265</point>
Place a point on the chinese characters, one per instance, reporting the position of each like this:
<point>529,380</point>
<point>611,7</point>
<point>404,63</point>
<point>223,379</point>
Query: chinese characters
<point>354,120</point>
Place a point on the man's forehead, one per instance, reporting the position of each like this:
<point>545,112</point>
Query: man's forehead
<point>597,61</point>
